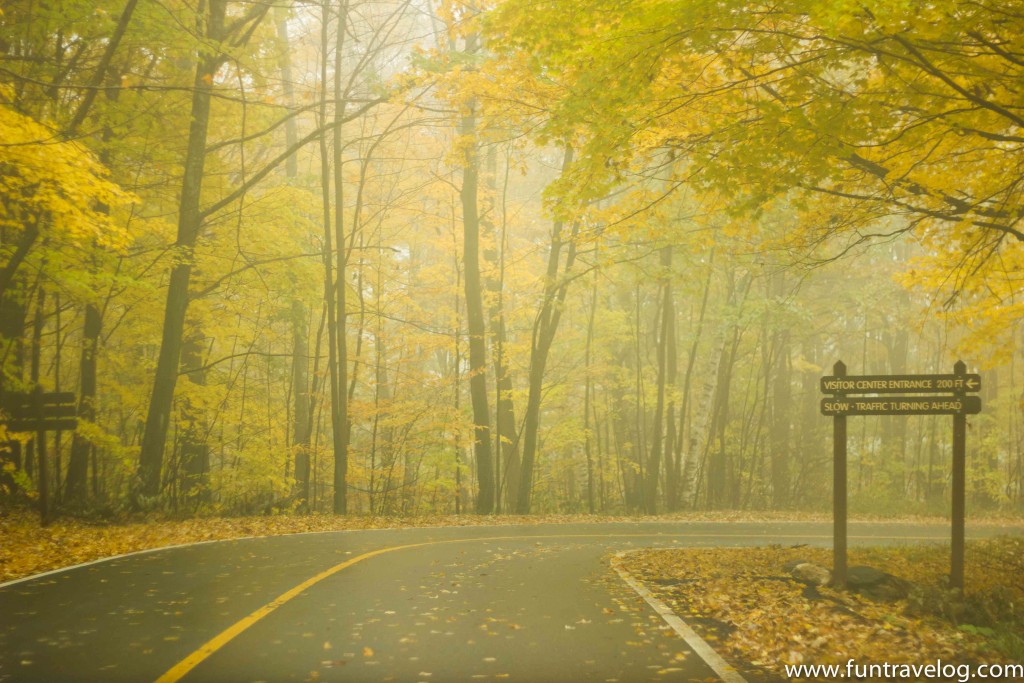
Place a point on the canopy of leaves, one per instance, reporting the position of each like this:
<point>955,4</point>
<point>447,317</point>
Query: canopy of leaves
<point>855,112</point>
<point>53,186</point>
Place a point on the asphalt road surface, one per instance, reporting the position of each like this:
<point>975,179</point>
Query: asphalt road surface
<point>533,604</point>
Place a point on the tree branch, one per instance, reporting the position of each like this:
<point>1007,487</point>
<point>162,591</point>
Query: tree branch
<point>283,156</point>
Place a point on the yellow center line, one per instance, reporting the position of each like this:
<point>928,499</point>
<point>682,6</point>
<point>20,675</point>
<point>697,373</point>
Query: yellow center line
<point>210,647</point>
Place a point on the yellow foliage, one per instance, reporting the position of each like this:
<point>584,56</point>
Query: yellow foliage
<point>55,186</point>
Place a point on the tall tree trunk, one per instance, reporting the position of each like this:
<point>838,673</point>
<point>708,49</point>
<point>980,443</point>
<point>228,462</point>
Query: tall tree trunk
<point>341,427</point>
<point>781,406</point>
<point>158,416</point>
<point>544,329</point>
<point>506,445</point>
<point>657,441</point>
<point>457,389</point>
<point>719,466</point>
<point>475,307</point>
<point>588,389</point>
<point>722,473</point>
<point>194,449</point>
<point>38,443</point>
<point>672,376</point>
<point>334,281</point>
<point>300,403</point>
<point>687,460</point>
<point>640,406</point>
<point>700,427</point>
<point>76,484</point>
<point>300,332</point>
<point>505,421</point>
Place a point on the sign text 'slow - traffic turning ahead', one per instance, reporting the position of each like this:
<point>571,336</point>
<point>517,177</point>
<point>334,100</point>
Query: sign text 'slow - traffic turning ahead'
<point>901,405</point>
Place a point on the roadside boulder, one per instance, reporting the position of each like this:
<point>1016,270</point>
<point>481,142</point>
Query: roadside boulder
<point>811,573</point>
<point>875,583</point>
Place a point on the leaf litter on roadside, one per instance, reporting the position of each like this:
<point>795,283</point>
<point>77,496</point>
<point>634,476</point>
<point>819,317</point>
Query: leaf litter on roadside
<point>744,602</point>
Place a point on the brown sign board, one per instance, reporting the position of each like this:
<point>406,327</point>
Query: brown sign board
<point>48,410</point>
<point>901,405</point>
<point>46,424</point>
<point>18,399</point>
<point>40,411</point>
<point>899,384</point>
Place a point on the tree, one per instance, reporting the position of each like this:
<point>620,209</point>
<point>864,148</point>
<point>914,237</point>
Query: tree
<point>863,111</point>
<point>302,425</point>
<point>474,304</point>
<point>545,326</point>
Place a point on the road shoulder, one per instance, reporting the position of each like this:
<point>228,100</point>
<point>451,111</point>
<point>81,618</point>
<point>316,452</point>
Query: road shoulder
<point>700,647</point>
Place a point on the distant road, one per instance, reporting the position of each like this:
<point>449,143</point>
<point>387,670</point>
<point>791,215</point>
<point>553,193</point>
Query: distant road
<point>533,604</point>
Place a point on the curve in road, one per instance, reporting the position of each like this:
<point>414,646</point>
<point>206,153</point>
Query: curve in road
<point>527,603</point>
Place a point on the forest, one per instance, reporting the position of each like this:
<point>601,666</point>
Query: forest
<point>410,257</point>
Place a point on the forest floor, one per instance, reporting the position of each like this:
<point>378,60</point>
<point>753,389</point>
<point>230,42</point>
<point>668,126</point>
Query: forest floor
<point>746,604</point>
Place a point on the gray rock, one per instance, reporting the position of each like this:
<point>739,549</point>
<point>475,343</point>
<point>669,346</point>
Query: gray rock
<point>811,573</point>
<point>860,576</point>
<point>876,584</point>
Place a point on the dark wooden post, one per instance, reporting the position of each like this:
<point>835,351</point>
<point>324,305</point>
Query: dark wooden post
<point>956,570</point>
<point>839,490</point>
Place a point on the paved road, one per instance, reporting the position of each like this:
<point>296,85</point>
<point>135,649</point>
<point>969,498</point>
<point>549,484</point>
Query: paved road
<point>523,603</point>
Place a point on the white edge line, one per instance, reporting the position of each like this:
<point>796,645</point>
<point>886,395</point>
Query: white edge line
<point>700,646</point>
<point>60,570</point>
<point>144,551</point>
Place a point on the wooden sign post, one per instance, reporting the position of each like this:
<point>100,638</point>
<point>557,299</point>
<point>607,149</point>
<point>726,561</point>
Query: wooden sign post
<point>956,569</point>
<point>839,490</point>
<point>40,412</point>
<point>869,395</point>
